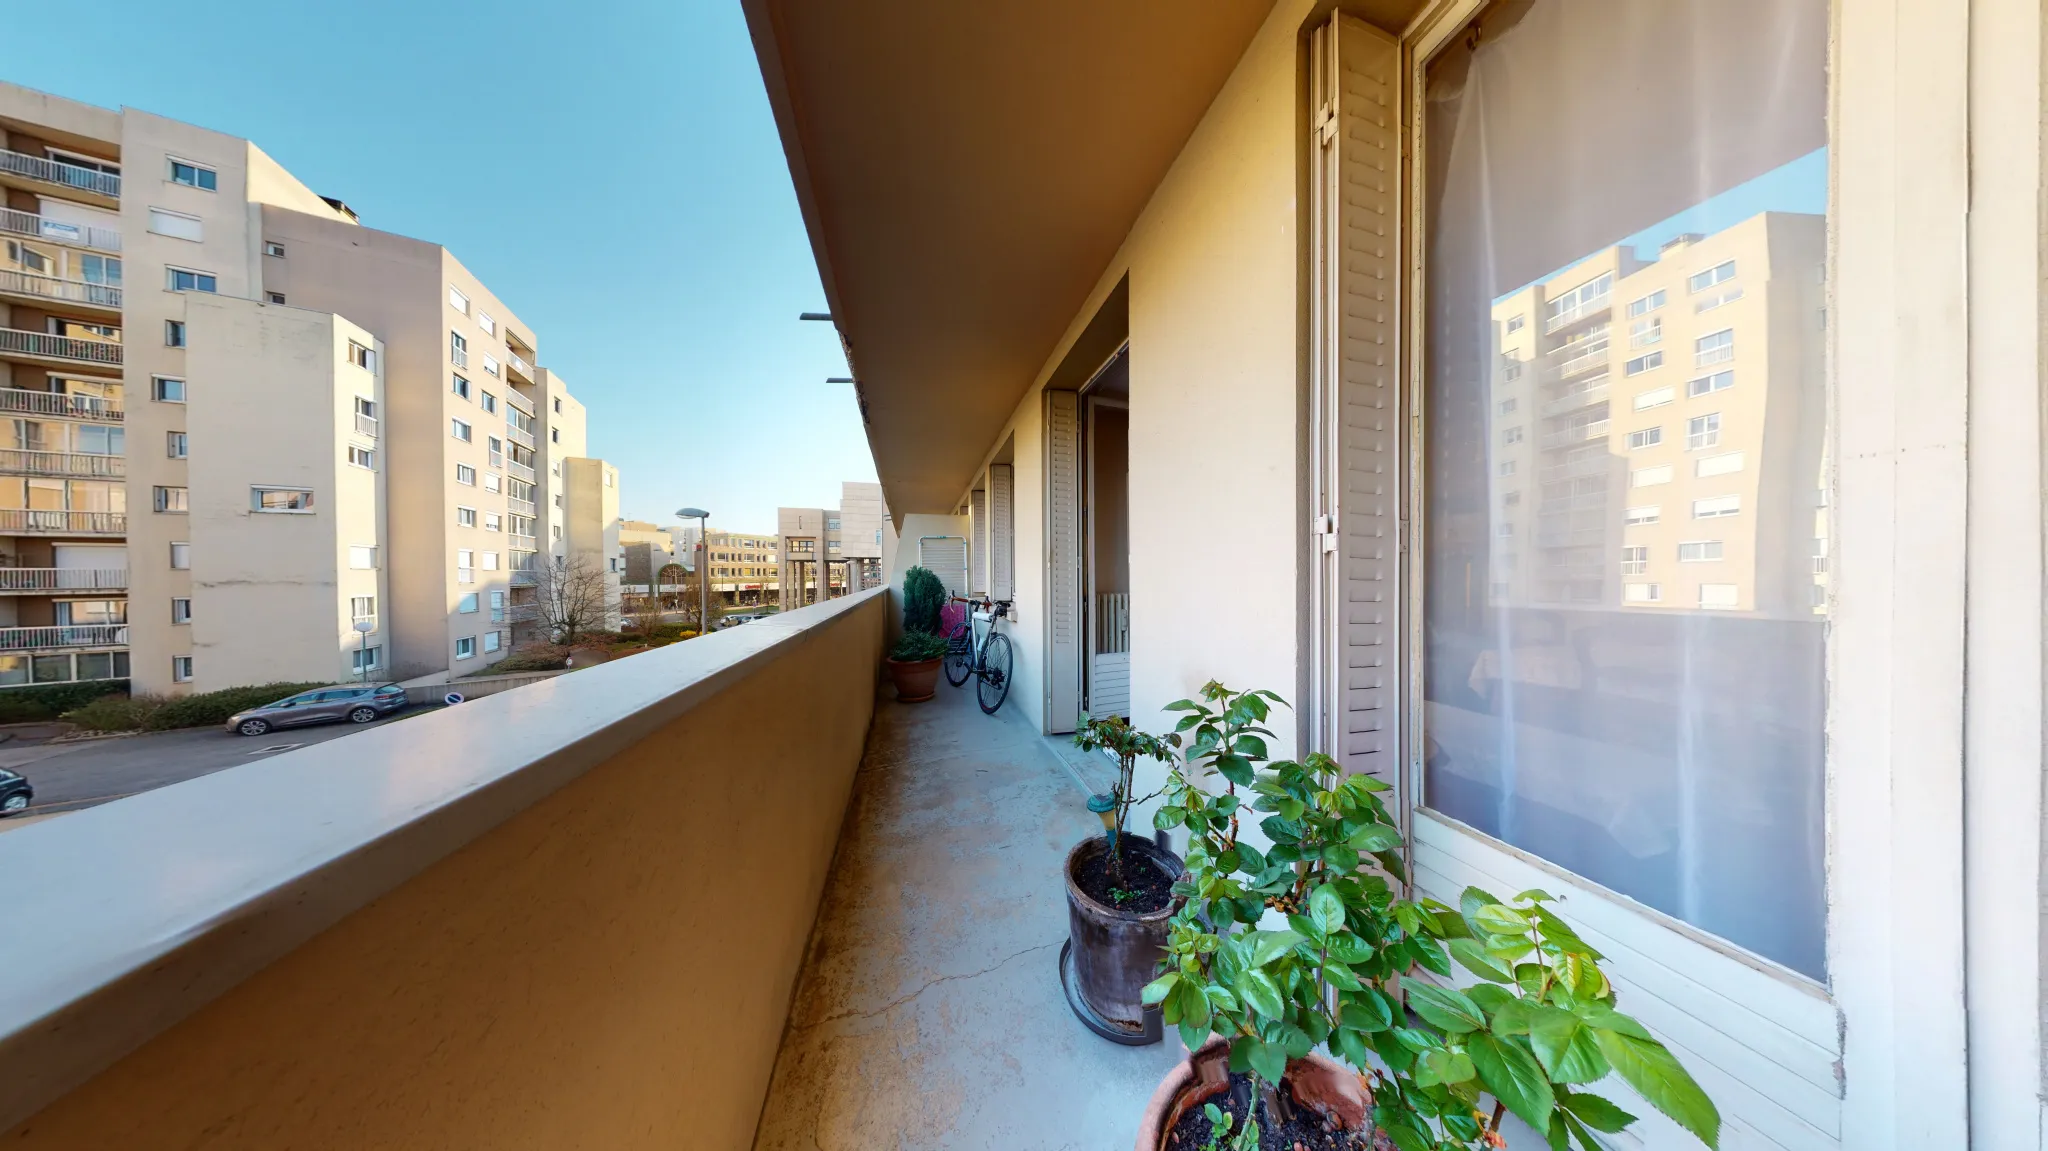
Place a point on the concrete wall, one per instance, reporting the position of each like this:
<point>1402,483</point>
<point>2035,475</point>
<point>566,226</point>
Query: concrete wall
<point>609,968</point>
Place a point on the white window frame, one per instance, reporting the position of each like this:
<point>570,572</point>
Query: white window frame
<point>1716,507</point>
<point>1718,548</point>
<point>1649,437</point>
<point>194,234</point>
<point>1705,355</point>
<point>465,517</point>
<point>181,610</point>
<point>172,271</point>
<point>160,499</point>
<point>258,491</point>
<point>273,249</point>
<point>177,446</point>
<point>364,551</point>
<point>181,669</point>
<point>181,556</point>
<point>457,300</point>
<point>461,430</point>
<point>465,647</point>
<point>1648,362</point>
<point>157,390</point>
<point>361,457</point>
<point>171,164</point>
<point>459,470</point>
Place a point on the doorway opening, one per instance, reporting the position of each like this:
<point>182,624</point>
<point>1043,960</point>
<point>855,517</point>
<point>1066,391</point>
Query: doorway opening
<point>1106,539</point>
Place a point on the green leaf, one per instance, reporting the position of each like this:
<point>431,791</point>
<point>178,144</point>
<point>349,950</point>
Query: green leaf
<point>1514,1077</point>
<point>1407,1138</point>
<point>1366,1013</point>
<point>1192,1036</point>
<point>1249,746</point>
<point>1596,1112</point>
<point>1270,945</point>
<point>1558,1138</point>
<point>1183,705</point>
<point>1499,919</point>
<point>1269,1060</point>
<point>1375,837</point>
<point>1443,1065</point>
<point>1564,1044</point>
<point>1167,818</point>
<point>1475,959</point>
<point>1235,768</point>
<point>1657,1076</point>
<point>1258,992</point>
<point>1326,908</point>
<point>1341,858</point>
<point>1194,1005</point>
<point>1352,1046</point>
<point>1513,1017</point>
<point>1451,1011</point>
<point>1157,989</point>
<point>1472,899</point>
<point>1341,977</point>
<point>1348,948</point>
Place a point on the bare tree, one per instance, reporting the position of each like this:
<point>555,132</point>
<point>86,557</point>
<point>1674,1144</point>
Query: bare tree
<point>569,598</point>
<point>692,601</point>
<point>670,575</point>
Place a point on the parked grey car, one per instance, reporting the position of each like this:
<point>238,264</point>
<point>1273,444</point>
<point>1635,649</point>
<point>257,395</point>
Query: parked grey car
<point>356,703</point>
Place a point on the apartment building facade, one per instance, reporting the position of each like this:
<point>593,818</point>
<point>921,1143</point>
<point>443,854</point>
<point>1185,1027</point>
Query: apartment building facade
<point>826,552</point>
<point>447,414</point>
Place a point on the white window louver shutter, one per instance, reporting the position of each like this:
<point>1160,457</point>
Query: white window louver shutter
<point>946,558</point>
<point>1356,403</point>
<point>1063,560</point>
<point>977,551</point>
<point>1002,549</point>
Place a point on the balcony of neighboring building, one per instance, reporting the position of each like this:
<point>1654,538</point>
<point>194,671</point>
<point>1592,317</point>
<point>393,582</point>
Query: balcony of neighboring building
<point>103,406</point>
<point>58,522</point>
<point>74,294</point>
<point>34,226</point>
<point>58,350</point>
<point>82,178</point>
<point>63,637</point>
<point>37,581</point>
<point>519,358</point>
<point>84,465</point>
<point>764,934</point>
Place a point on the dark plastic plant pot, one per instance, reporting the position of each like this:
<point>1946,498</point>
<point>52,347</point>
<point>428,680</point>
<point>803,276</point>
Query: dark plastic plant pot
<point>1112,954</point>
<point>916,680</point>
<point>1318,1083</point>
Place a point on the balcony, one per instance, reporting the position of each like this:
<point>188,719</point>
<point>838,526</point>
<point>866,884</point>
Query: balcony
<point>40,170</point>
<point>36,403</point>
<point>1582,310</point>
<point>17,639</point>
<point>1576,434</point>
<point>39,522</point>
<point>1577,358</point>
<point>523,471</point>
<point>19,462</point>
<point>527,543</point>
<point>17,283</point>
<point>58,232</point>
<point>518,364</point>
<point>518,435</point>
<point>62,349</point>
<point>366,425</point>
<point>539,902</point>
<point>519,507</point>
<point>1582,395</point>
<point>1591,464</point>
<point>42,581</point>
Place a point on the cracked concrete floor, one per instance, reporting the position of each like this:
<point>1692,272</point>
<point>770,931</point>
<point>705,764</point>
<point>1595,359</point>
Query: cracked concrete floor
<point>929,1013</point>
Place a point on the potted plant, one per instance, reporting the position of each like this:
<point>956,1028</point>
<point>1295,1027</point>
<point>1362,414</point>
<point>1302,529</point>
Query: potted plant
<point>1119,897</point>
<point>1330,1032</point>
<point>914,661</point>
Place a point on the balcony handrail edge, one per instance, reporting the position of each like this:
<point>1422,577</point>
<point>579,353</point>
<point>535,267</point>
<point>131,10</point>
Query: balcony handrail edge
<point>103,955</point>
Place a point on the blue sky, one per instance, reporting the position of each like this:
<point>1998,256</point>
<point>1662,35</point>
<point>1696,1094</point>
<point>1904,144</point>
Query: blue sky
<point>538,141</point>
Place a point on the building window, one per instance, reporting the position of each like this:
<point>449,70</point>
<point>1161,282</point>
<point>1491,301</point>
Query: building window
<point>187,280</point>
<point>363,609</point>
<point>555,434</point>
<point>490,561</point>
<point>174,445</point>
<point>174,333</point>
<point>271,248</point>
<point>177,225</point>
<point>1644,305</point>
<point>181,557</point>
<point>274,297</point>
<point>1511,435</point>
<point>487,401</point>
<point>457,300</point>
<point>1699,551</point>
<point>1643,333</point>
<point>181,610</point>
<point>1510,372</point>
<point>1703,432</point>
<point>1507,468</point>
<point>362,458</point>
<point>1701,385</point>
<point>192,175</point>
<point>1508,406</point>
<point>1517,323</point>
<point>181,669</point>
<point>490,364</point>
<point>458,350</point>
<point>1645,438</point>
<point>493,522</point>
<point>467,604</point>
<point>465,517</point>
<point>558,499</point>
<point>361,356</point>
<point>1714,275</point>
<point>460,387</point>
<point>465,566</point>
<point>362,557</point>
<point>493,641</point>
<point>1714,348</point>
<point>294,500</point>
<point>169,499</point>
<point>1654,398</point>
<point>1642,592</point>
<point>1650,477</point>
<point>363,660</point>
<point>484,321</point>
<point>459,429</point>
<point>366,415</point>
<point>466,475</point>
<point>167,389</point>
<point>497,607</point>
<point>1715,507</point>
<point>1643,364</point>
<point>1635,560</point>
<point>1721,465</point>
<point>558,405</point>
<point>465,648</point>
<point>1719,596</point>
<point>491,482</point>
<point>494,448</point>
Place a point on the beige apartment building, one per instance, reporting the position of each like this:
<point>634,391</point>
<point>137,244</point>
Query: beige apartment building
<point>834,549</point>
<point>744,568</point>
<point>250,278</point>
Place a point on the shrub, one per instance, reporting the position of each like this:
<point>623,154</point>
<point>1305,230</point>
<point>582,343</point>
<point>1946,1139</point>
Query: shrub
<point>30,704</point>
<point>116,712</point>
<point>923,598</point>
<point>534,657</point>
<point>917,646</point>
<point>208,708</point>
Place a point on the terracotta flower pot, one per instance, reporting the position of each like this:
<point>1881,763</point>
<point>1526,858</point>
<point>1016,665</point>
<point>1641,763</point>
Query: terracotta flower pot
<point>1111,954</point>
<point>915,680</point>
<point>1318,1083</point>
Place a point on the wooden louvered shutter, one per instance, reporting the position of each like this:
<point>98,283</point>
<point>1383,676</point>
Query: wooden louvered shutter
<point>977,551</point>
<point>1063,560</point>
<point>1356,437</point>
<point>1002,545</point>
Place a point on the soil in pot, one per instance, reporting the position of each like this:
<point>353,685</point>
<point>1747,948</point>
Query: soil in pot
<point>1305,1130</point>
<point>1143,888</point>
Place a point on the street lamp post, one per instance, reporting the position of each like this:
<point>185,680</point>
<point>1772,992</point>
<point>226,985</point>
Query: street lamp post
<point>703,519</point>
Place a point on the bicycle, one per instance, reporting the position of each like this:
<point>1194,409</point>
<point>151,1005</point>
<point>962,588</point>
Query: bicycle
<point>987,660</point>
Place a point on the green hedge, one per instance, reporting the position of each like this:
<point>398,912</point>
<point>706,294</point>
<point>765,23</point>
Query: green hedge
<point>167,713</point>
<point>30,704</point>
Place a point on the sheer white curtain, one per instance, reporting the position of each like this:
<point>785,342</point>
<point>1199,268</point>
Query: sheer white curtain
<point>1626,534</point>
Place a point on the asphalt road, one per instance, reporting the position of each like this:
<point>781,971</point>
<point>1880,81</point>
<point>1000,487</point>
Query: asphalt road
<point>75,775</point>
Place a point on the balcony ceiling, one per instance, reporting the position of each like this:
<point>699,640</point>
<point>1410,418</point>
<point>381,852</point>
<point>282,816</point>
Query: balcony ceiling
<point>966,172</point>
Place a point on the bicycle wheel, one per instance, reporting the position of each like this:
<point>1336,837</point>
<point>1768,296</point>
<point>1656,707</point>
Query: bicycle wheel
<point>960,654</point>
<point>995,673</point>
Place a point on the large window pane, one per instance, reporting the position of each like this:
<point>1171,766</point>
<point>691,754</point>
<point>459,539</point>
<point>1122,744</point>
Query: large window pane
<point>1625,572</point>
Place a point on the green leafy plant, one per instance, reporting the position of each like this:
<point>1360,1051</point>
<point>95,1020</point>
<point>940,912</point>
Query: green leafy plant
<point>1220,1123</point>
<point>1116,736</point>
<point>1538,1028</point>
<point>918,646</point>
<point>923,598</point>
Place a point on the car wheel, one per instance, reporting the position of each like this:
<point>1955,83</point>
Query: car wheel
<point>362,715</point>
<point>14,804</point>
<point>253,726</point>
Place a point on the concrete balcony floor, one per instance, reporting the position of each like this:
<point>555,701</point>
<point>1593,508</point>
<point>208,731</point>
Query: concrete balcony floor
<point>929,1012</point>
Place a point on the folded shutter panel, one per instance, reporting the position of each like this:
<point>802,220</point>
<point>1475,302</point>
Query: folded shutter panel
<point>1063,560</point>
<point>1002,548</point>
<point>977,552</point>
